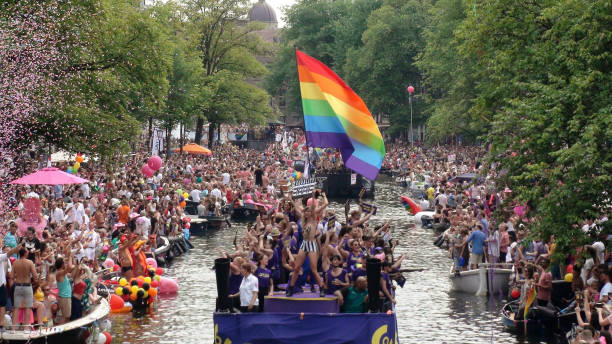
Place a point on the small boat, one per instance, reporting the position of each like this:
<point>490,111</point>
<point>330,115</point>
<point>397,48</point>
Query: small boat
<point>541,321</point>
<point>215,222</point>
<point>488,278</point>
<point>76,331</point>
<point>247,213</point>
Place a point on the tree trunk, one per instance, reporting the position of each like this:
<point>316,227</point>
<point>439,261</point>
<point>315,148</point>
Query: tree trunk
<point>198,131</point>
<point>211,134</point>
<point>150,134</point>
<point>181,137</point>
<point>167,142</point>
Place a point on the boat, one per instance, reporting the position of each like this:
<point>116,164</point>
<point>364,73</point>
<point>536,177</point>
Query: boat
<point>488,278</point>
<point>76,331</point>
<point>344,184</point>
<point>215,222</point>
<point>245,213</point>
<point>293,319</point>
<point>421,217</point>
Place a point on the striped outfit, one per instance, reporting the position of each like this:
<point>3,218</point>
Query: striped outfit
<point>309,246</point>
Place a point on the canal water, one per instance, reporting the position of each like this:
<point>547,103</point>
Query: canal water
<point>427,311</point>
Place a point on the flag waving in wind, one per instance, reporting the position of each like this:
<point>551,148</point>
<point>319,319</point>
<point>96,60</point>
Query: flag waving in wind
<point>335,116</point>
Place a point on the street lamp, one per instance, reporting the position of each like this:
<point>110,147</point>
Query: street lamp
<point>410,90</point>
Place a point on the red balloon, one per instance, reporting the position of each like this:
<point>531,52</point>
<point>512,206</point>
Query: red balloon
<point>109,339</point>
<point>570,269</point>
<point>159,271</point>
<point>410,89</point>
<point>140,282</point>
<point>295,145</point>
<point>154,284</point>
<point>515,294</point>
<point>304,148</point>
<point>155,162</point>
<point>146,170</point>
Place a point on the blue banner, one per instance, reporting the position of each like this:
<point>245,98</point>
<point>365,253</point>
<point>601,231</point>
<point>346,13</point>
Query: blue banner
<point>256,328</point>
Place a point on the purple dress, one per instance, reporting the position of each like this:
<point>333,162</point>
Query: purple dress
<point>331,287</point>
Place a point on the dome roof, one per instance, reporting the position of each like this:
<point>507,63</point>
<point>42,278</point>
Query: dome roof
<point>262,12</point>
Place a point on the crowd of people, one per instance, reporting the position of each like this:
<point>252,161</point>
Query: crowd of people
<point>295,244</point>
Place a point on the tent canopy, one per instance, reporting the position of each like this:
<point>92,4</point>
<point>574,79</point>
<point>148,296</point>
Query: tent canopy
<point>49,176</point>
<point>192,148</point>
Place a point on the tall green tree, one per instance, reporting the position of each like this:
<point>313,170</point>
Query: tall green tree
<point>227,46</point>
<point>449,75</point>
<point>383,67</point>
<point>548,97</point>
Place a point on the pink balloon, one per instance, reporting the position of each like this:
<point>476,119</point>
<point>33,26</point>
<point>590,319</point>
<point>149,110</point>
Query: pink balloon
<point>109,263</point>
<point>152,262</point>
<point>155,162</point>
<point>410,89</point>
<point>168,285</point>
<point>146,170</point>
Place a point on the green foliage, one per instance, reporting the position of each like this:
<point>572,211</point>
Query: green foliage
<point>551,123</point>
<point>227,46</point>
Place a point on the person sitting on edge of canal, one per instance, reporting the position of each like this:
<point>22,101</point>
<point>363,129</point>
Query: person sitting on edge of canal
<point>354,298</point>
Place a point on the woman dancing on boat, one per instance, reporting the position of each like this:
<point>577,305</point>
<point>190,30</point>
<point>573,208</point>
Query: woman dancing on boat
<point>309,244</point>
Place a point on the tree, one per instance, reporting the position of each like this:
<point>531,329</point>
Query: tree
<point>549,67</point>
<point>227,46</point>
<point>383,67</point>
<point>448,75</point>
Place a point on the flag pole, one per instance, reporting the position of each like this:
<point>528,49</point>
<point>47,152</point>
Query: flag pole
<point>303,117</point>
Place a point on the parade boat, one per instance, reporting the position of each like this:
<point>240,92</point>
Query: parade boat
<point>344,184</point>
<point>76,331</point>
<point>556,320</point>
<point>488,278</point>
<point>303,317</point>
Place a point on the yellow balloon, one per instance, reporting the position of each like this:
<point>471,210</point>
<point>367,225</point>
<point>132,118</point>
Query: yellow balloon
<point>77,165</point>
<point>134,289</point>
<point>147,279</point>
<point>123,282</point>
<point>569,277</point>
<point>157,278</point>
<point>119,291</point>
<point>185,195</point>
<point>146,295</point>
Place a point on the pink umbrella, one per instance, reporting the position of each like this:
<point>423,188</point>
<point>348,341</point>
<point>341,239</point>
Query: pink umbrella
<point>49,176</point>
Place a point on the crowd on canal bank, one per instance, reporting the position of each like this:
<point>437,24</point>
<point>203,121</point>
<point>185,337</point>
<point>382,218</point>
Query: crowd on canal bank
<point>297,242</point>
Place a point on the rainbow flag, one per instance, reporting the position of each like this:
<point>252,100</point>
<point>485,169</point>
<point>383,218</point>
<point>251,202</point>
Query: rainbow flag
<point>335,116</point>
<point>531,296</point>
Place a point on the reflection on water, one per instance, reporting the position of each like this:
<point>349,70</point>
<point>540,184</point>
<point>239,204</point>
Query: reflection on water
<point>427,311</point>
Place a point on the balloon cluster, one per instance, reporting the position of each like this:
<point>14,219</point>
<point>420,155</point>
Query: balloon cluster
<point>77,164</point>
<point>295,175</point>
<point>153,164</point>
<point>144,288</point>
<point>183,196</point>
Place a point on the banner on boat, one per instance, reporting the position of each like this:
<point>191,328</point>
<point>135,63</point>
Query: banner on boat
<point>303,187</point>
<point>366,328</point>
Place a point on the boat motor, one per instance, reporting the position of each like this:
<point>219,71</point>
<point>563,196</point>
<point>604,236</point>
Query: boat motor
<point>222,269</point>
<point>373,272</point>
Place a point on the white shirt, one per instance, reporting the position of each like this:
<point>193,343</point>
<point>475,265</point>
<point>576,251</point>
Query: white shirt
<point>80,213</point>
<point>3,259</point>
<point>195,195</point>
<point>85,189</point>
<point>189,169</point>
<point>601,249</point>
<point>57,215</point>
<point>216,192</point>
<point>248,286</point>
<point>607,289</point>
<point>226,178</point>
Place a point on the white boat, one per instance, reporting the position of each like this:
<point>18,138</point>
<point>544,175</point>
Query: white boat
<point>77,331</point>
<point>488,278</point>
<point>418,217</point>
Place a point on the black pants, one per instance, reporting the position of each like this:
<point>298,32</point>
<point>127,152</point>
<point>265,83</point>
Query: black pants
<point>246,309</point>
<point>263,291</point>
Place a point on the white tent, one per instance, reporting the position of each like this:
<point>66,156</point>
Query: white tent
<point>63,156</point>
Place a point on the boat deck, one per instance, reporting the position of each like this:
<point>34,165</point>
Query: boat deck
<point>304,302</point>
